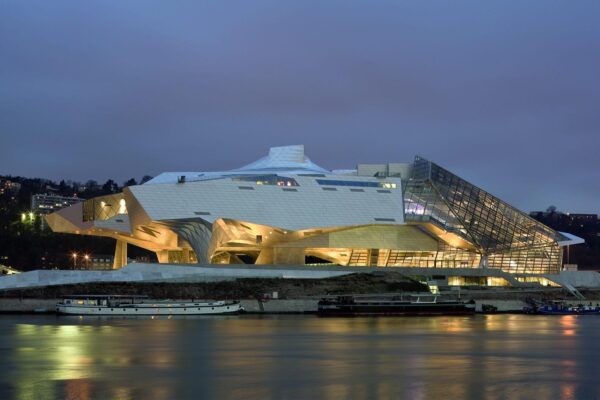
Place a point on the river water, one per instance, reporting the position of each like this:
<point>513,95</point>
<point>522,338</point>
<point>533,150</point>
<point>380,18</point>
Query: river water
<point>300,357</point>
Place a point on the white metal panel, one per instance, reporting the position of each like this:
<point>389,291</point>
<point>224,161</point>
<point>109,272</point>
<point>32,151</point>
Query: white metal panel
<point>571,239</point>
<point>300,207</point>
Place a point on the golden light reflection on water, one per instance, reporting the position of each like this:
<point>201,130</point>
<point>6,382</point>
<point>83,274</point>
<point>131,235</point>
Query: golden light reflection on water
<point>74,358</point>
<point>568,322</point>
<point>457,353</point>
<point>494,356</point>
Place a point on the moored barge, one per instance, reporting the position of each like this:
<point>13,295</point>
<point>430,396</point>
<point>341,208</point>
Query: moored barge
<point>141,305</point>
<point>391,306</point>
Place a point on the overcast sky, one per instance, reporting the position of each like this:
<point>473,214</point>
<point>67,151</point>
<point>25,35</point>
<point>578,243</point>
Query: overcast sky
<point>505,94</point>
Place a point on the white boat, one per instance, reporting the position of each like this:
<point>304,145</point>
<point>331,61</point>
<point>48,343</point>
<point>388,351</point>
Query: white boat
<point>141,305</point>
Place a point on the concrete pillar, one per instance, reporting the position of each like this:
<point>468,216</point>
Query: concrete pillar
<point>265,256</point>
<point>120,254</point>
<point>162,256</point>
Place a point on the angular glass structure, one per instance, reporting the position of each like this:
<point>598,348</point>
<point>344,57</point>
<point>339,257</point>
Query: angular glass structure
<point>501,235</point>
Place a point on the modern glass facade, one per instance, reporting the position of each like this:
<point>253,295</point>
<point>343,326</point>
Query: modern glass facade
<point>503,236</point>
<point>444,257</point>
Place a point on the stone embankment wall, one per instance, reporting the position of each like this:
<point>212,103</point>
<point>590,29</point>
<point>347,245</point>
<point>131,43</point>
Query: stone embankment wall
<point>15,305</point>
<point>247,288</point>
<point>293,295</point>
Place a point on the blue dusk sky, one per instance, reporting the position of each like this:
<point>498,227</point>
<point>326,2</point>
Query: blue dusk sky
<point>504,93</point>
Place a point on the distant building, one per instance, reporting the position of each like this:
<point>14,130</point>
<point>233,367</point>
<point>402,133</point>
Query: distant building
<point>8,187</point>
<point>98,261</point>
<point>284,209</point>
<point>44,204</point>
<point>583,219</point>
<point>586,226</point>
<point>560,220</point>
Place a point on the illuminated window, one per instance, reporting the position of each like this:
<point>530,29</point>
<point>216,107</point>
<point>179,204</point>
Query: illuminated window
<point>122,207</point>
<point>331,182</point>
<point>271,179</point>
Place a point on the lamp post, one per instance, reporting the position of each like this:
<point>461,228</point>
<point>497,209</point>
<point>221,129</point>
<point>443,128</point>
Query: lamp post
<point>87,261</point>
<point>74,255</point>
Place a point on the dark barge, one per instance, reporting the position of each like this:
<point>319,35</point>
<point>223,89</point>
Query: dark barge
<point>393,306</point>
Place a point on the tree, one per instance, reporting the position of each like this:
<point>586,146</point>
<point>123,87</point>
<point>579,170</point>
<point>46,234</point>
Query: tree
<point>63,188</point>
<point>130,182</point>
<point>110,187</point>
<point>145,179</point>
<point>91,184</point>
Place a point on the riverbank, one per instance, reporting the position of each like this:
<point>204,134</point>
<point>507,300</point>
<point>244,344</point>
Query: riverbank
<point>502,302</point>
<point>255,306</point>
<point>260,295</point>
<point>281,296</point>
<point>242,288</point>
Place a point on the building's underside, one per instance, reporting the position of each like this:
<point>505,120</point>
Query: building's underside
<point>284,210</point>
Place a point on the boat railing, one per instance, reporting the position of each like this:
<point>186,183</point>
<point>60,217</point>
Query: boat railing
<point>368,299</point>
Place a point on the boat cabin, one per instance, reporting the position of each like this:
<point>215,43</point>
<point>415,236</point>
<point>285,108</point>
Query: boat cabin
<point>101,300</point>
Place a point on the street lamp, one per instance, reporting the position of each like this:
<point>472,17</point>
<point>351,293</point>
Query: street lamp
<point>87,261</point>
<point>74,255</point>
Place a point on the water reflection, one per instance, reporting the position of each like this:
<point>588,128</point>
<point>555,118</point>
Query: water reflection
<point>495,356</point>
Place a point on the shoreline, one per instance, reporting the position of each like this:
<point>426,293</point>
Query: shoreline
<point>37,306</point>
<point>290,296</point>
